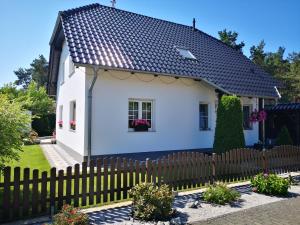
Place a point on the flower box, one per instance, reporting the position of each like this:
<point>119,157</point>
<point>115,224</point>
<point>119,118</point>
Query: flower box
<point>60,123</point>
<point>140,125</point>
<point>73,125</point>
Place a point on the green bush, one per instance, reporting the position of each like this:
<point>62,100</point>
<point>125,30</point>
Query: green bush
<point>151,202</point>
<point>70,215</point>
<point>270,184</point>
<point>220,194</point>
<point>229,128</point>
<point>284,137</point>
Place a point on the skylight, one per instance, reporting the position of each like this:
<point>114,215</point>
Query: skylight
<point>185,53</point>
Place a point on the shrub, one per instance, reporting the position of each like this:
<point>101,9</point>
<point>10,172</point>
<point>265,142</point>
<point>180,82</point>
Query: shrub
<point>229,128</point>
<point>284,137</point>
<point>270,184</point>
<point>70,215</point>
<point>151,202</point>
<point>220,194</point>
<point>14,122</point>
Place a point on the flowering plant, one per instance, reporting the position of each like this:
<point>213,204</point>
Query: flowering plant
<point>138,122</point>
<point>70,215</point>
<point>258,116</point>
<point>73,124</point>
<point>60,123</point>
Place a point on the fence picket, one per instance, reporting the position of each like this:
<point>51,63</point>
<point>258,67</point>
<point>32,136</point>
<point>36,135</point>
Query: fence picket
<point>16,192</point>
<point>125,178</point>
<point>68,185</point>
<point>26,175</point>
<point>60,190</point>
<point>91,182</point>
<point>76,185</point>
<point>99,178</point>
<point>105,180</point>
<point>44,183</point>
<point>6,193</point>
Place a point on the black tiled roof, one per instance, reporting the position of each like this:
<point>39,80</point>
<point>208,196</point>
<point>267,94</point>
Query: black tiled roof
<point>286,107</point>
<point>113,38</point>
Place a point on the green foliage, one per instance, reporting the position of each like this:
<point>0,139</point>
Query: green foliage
<point>230,38</point>
<point>220,194</point>
<point>14,122</point>
<point>270,184</point>
<point>284,137</point>
<point>70,215</point>
<point>33,98</point>
<point>151,202</point>
<point>37,72</point>
<point>286,70</point>
<point>229,128</point>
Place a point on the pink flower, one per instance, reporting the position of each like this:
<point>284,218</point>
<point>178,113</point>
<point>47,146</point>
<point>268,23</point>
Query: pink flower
<point>72,122</point>
<point>60,122</point>
<point>258,116</point>
<point>138,122</point>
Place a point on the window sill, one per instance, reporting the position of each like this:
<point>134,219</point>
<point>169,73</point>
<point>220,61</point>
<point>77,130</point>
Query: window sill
<point>205,129</point>
<point>74,131</point>
<point>149,131</point>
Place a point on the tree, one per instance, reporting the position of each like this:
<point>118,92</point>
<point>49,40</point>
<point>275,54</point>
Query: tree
<point>36,100</point>
<point>229,128</point>
<point>284,137</point>
<point>14,121</point>
<point>230,39</point>
<point>37,72</point>
<point>257,54</point>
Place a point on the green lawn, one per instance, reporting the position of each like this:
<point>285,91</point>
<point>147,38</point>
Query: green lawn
<point>31,157</point>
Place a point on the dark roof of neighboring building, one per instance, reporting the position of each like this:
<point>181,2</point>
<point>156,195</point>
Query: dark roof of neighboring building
<point>117,39</point>
<point>286,107</point>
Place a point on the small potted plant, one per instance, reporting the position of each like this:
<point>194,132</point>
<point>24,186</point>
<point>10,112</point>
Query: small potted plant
<point>60,123</point>
<point>73,124</point>
<point>140,125</point>
<point>258,116</point>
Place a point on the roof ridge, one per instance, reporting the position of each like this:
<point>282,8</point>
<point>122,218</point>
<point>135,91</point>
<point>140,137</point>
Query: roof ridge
<point>95,5</point>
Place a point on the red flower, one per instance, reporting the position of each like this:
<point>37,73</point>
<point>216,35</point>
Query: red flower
<point>72,122</point>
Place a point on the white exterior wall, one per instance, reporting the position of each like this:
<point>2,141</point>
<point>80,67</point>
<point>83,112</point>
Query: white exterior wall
<point>72,89</point>
<point>252,135</point>
<point>175,112</point>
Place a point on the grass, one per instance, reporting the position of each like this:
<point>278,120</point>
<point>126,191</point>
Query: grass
<point>31,157</point>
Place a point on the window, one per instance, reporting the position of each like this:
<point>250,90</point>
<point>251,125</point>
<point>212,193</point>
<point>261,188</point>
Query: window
<point>185,53</point>
<point>247,125</point>
<point>60,116</point>
<point>73,115</point>
<point>140,109</point>
<point>203,116</point>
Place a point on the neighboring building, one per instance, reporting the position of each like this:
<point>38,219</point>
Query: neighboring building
<point>109,67</point>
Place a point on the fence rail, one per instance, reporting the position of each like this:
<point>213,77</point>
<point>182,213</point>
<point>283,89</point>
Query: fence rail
<point>107,180</point>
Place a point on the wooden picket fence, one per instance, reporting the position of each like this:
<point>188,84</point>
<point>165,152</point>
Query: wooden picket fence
<point>26,194</point>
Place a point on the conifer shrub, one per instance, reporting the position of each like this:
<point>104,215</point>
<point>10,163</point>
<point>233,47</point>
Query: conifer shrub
<point>229,128</point>
<point>284,137</point>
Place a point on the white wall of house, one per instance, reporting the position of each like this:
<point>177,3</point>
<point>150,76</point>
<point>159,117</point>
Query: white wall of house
<point>175,113</point>
<point>70,87</point>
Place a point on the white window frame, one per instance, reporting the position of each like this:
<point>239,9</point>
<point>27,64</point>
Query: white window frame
<point>140,111</point>
<point>73,114</point>
<point>208,116</point>
<point>185,53</point>
<point>250,111</point>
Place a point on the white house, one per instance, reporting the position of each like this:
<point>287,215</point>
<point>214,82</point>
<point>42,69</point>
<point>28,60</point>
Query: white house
<point>109,67</point>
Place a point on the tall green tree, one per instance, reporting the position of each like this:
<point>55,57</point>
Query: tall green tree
<point>14,122</point>
<point>230,38</point>
<point>38,72</point>
<point>257,54</point>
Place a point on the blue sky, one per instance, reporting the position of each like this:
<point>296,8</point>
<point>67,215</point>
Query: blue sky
<point>26,26</point>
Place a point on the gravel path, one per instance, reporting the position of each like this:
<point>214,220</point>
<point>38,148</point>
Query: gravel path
<point>285,212</point>
<point>120,216</point>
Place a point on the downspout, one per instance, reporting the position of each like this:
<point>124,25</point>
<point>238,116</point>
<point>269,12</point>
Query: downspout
<point>90,98</point>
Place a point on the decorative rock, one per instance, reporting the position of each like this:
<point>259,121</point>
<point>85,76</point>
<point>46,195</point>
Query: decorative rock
<point>167,223</point>
<point>160,223</point>
<point>176,221</point>
<point>192,205</point>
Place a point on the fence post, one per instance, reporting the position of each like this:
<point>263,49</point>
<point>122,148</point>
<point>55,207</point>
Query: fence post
<point>148,170</point>
<point>265,168</point>
<point>213,164</point>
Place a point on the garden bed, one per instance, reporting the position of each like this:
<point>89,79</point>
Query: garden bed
<point>186,214</point>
